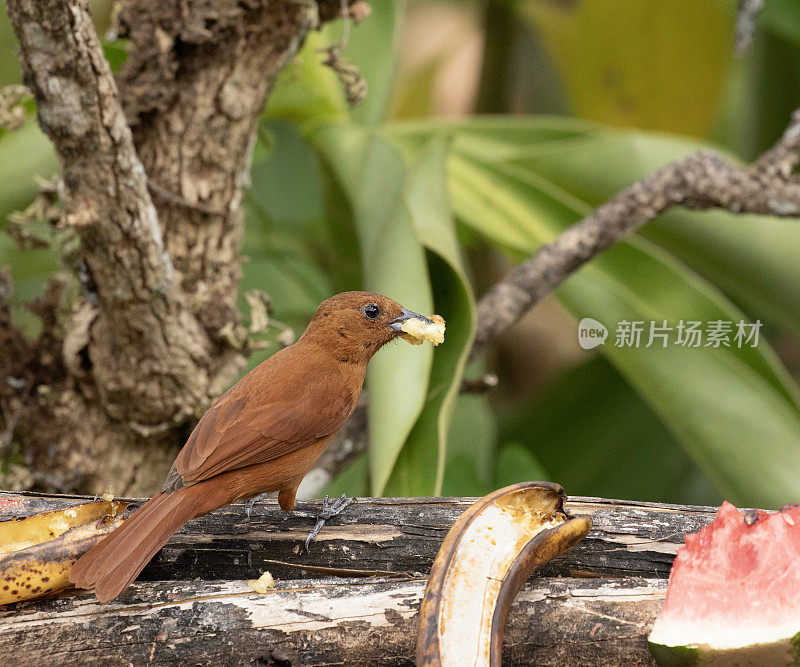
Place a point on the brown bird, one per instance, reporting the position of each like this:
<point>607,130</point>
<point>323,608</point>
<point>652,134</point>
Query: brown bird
<point>263,435</point>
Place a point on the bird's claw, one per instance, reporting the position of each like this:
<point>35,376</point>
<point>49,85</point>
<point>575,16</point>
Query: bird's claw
<point>329,509</point>
<point>248,508</point>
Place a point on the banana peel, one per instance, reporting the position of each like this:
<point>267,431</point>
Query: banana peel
<point>37,552</point>
<point>487,556</point>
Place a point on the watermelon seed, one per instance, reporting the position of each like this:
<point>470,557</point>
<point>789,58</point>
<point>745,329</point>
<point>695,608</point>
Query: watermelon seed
<point>788,519</point>
<point>750,517</point>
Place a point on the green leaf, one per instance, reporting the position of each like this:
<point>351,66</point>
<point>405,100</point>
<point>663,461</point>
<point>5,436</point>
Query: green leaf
<point>735,410</point>
<point>611,451</point>
<point>781,17</point>
<point>307,92</point>
<point>470,448</point>
<point>286,177</point>
<point>374,48</point>
<point>310,94</point>
<point>116,53</point>
<point>427,202</point>
<point>9,62</point>
<point>752,258</point>
<point>352,481</point>
<point>516,463</point>
<point>24,154</point>
<point>372,175</point>
<point>652,65</point>
<point>493,137</point>
<point>399,212</point>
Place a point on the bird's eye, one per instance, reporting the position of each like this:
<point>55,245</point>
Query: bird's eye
<point>372,311</point>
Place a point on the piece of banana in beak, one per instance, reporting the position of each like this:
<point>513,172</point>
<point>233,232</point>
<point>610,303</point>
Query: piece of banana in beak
<point>416,331</point>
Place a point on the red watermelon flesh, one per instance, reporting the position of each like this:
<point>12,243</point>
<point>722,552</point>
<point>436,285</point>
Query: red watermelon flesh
<point>736,583</point>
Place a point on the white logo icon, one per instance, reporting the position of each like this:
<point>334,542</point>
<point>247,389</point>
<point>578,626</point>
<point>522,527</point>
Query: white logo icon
<point>591,333</point>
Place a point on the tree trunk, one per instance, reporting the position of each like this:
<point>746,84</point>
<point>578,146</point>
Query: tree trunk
<point>153,167</point>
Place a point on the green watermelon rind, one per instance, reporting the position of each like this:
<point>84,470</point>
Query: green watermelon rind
<point>782,652</point>
<point>674,655</point>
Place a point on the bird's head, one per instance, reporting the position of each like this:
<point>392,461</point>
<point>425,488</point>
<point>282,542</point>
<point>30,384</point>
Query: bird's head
<point>355,325</point>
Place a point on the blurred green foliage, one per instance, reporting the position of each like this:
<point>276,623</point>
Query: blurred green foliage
<point>347,199</point>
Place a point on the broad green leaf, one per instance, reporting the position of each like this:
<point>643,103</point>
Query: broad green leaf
<point>471,445</point>
<point>618,448</point>
<point>515,463</point>
<point>421,465</point>
<point>752,258</point>
<point>285,177</point>
<point>353,480</point>
<point>399,212</point>
<point>728,406</point>
<point>283,208</point>
<point>307,92</point>
<point>654,65</point>
<point>551,210</point>
<point>782,18</point>
<point>9,63</point>
<point>24,154</point>
<point>310,93</point>
<point>372,175</point>
<point>493,136</point>
<point>374,48</point>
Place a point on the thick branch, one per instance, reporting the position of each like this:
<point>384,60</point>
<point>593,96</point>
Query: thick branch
<point>703,180</point>
<point>193,88</point>
<point>144,351</point>
<point>107,200</point>
<point>142,340</point>
<point>591,606</point>
<point>350,443</point>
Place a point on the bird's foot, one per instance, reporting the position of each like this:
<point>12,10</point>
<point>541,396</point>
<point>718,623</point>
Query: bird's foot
<point>248,508</point>
<point>329,509</point>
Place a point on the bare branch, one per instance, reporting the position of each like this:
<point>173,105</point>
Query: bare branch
<point>746,25</point>
<point>350,442</point>
<point>703,180</point>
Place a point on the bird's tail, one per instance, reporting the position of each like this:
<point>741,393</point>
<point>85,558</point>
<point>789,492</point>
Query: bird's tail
<point>113,563</point>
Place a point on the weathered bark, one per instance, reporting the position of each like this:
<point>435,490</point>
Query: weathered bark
<point>193,90</point>
<point>398,535</point>
<point>592,605</point>
<point>157,213</point>
<point>324,622</point>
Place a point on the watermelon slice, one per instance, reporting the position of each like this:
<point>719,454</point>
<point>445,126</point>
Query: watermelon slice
<point>734,593</point>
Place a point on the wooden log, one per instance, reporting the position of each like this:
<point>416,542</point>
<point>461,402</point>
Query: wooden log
<point>394,535</point>
<point>593,605</point>
<point>320,622</point>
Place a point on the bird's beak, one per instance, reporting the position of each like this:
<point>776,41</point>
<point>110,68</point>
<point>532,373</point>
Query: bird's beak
<point>397,323</point>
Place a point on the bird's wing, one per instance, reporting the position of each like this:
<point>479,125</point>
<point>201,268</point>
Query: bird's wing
<point>247,428</point>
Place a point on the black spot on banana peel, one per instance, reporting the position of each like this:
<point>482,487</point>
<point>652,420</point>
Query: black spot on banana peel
<point>487,556</point>
<point>37,552</point>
